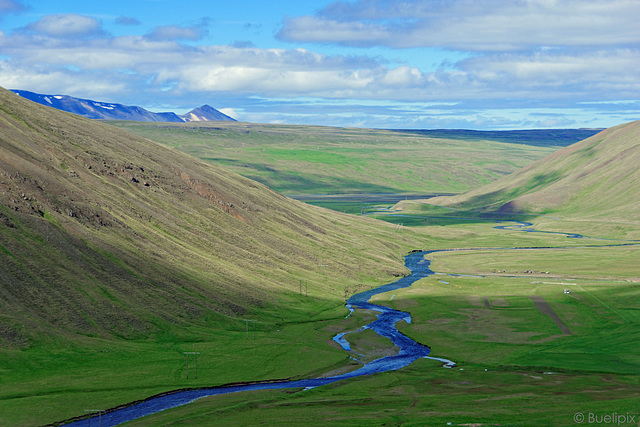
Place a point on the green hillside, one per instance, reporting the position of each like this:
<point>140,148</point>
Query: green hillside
<point>596,178</point>
<point>114,209</point>
<point>295,159</point>
<point>118,253</point>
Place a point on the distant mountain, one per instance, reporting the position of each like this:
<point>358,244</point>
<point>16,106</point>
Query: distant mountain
<point>597,178</point>
<point>205,113</point>
<point>111,111</point>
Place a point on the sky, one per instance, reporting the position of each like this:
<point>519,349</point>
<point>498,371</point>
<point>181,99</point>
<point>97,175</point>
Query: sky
<point>412,64</point>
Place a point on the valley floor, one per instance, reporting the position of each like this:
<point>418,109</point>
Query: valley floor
<point>540,336</point>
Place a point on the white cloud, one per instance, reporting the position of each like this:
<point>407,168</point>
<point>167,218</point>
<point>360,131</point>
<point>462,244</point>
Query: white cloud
<point>155,65</point>
<point>426,119</point>
<point>231,112</point>
<point>61,81</point>
<point>318,29</point>
<point>403,76</point>
<point>71,54</point>
<point>479,25</point>
<point>601,73</point>
<point>66,25</point>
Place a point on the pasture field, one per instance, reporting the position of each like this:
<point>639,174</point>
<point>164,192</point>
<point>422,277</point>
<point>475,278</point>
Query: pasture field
<point>299,159</point>
<point>55,382</point>
<point>423,394</point>
<point>515,367</point>
<point>528,353</point>
<point>120,255</point>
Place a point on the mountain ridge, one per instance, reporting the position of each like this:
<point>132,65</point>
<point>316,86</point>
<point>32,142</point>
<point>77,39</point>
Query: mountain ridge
<point>98,110</point>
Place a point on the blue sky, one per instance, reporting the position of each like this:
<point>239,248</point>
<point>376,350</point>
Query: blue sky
<point>474,64</point>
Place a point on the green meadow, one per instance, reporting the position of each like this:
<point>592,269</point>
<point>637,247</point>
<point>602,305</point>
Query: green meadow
<point>516,364</point>
<point>292,339</point>
<point>50,383</point>
<point>322,160</point>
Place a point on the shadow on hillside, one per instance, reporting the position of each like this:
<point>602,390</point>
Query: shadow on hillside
<point>460,217</point>
<point>504,201</point>
<point>291,182</point>
<point>427,214</point>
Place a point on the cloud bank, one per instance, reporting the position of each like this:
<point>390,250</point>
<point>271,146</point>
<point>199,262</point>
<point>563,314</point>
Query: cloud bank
<point>470,25</point>
<point>523,54</point>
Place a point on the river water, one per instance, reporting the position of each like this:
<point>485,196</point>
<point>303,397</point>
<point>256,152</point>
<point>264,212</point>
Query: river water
<point>384,325</point>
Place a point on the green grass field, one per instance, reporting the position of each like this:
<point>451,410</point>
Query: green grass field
<point>422,394</point>
<point>322,160</point>
<point>515,364</point>
<point>57,381</point>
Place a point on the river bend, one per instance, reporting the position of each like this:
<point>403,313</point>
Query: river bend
<point>384,326</point>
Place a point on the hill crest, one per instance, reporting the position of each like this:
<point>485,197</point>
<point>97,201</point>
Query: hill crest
<point>596,177</point>
<point>106,234</point>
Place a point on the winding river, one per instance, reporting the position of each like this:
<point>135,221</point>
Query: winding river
<point>384,325</point>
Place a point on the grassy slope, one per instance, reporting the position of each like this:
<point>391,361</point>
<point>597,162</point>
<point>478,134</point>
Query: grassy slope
<point>313,159</point>
<point>596,178</point>
<point>118,254</point>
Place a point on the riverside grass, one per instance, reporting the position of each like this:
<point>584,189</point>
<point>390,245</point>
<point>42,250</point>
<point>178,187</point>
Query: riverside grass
<point>513,340</point>
<point>296,159</point>
<point>421,394</point>
<point>515,367</point>
<point>47,384</point>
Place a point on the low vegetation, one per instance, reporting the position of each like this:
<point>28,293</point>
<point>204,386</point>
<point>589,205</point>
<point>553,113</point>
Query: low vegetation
<point>516,364</point>
<point>118,255</point>
<point>595,179</point>
<point>540,335</point>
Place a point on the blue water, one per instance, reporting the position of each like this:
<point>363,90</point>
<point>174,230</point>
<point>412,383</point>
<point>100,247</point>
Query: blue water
<point>522,224</point>
<point>384,325</point>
